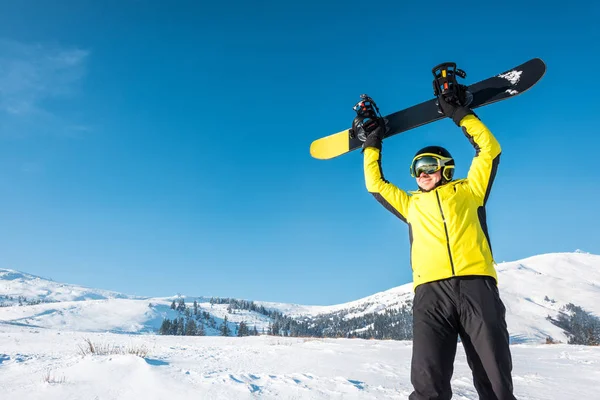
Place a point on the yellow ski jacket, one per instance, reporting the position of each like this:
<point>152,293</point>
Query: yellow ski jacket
<point>447,225</point>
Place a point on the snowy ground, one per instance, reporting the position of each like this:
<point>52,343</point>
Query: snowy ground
<point>40,345</point>
<point>47,364</point>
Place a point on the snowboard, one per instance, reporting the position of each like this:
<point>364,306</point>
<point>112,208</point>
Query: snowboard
<point>500,87</point>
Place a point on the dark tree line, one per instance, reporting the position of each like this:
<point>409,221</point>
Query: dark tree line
<point>391,324</point>
<point>235,304</point>
<point>193,321</point>
<point>580,326</point>
<point>9,301</point>
<point>181,326</point>
<point>395,324</point>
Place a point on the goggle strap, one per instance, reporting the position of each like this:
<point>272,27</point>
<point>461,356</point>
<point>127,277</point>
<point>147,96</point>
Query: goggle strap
<point>446,168</point>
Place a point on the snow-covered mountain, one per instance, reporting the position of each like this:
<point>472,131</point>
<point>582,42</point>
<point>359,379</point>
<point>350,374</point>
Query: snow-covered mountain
<point>72,307</point>
<point>531,289</point>
<point>30,287</point>
<point>539,286</point>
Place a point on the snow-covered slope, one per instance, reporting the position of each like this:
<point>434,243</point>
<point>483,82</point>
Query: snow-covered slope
<point>118,315</point>
<point>379,302</point>
<point>539,286</point>
<point>531,289</point>
<point>15,284</point>
<point>114,315</point>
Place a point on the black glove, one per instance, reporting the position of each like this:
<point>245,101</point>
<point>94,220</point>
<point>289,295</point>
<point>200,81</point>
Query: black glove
<point>453,108</point>
<point>369,131</point>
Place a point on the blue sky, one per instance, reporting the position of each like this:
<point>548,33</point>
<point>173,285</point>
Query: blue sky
<point>156,149</point>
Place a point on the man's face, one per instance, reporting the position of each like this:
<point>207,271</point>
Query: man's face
<point>428,181</point>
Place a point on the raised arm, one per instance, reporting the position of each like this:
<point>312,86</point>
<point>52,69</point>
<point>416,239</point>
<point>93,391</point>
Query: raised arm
<point>487,149</point>
<point>487,156</point>
<point>391,197</point>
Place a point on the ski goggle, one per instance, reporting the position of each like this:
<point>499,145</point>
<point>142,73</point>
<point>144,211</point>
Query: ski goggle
<point>428,163</point>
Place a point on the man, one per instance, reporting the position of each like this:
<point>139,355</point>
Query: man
<point>451,257</point>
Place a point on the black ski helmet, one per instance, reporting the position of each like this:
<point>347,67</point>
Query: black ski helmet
<point>448,166</point>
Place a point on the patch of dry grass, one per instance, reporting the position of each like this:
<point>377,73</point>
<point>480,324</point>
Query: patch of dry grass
<point>103,349</point>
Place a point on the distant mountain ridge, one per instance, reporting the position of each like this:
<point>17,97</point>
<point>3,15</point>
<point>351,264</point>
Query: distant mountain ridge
<point>532,289</point>
<point>15,283</point>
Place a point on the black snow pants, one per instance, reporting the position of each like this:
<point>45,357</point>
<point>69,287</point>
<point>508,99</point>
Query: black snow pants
<point>469,307</point>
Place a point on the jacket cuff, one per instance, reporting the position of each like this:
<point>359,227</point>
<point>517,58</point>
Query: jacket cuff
<point>461,113</point>
<point>372,141</point>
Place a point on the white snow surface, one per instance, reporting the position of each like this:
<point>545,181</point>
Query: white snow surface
<point>47,364</point>
<point>14,283</point>
<point>40,355</point>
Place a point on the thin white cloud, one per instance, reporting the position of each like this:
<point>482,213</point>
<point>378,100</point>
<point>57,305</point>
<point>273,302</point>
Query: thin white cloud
<point>32,168</point>
<point>31,74</point>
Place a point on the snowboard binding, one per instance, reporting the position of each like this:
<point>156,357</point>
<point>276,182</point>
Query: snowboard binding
<point>445,84</point>
<point>367,118</point>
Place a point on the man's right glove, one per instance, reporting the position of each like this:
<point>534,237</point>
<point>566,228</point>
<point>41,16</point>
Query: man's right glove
<point>369,131</point>
<point>453,108</point>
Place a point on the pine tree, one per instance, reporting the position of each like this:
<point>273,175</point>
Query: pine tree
<point>243,329</point>
<point>225,331</point>
<point>190,327</point>
<point>173,305</point>
<point>275,327</point>
<point>200,331</point>
<point>180,327</point>
<point>181,305</point>
<point>165,327</point>
<point>195,307</point>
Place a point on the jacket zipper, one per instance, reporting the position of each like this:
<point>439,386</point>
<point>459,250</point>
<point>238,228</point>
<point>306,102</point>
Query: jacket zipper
<point>446,230</point>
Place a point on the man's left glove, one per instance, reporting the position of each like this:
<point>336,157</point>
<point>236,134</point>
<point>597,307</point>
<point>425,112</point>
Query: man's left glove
<point>369,131</point>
